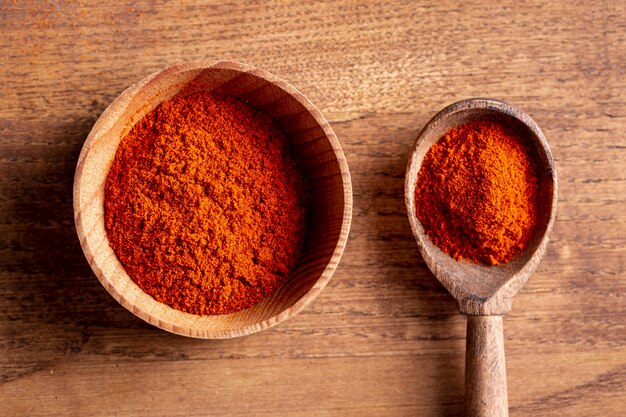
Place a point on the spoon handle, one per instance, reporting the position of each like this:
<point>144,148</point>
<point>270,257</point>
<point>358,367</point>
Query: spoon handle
<point>485,370</point>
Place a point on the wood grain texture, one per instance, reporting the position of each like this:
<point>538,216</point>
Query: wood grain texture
<point>384,337</point>
<point>485,368</point>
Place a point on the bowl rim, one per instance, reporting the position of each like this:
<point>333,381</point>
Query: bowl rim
<point>112,113</point>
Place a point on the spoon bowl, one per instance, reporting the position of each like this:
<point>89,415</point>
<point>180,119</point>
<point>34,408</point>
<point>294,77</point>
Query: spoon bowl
<point>485,293</point>
<point>481,289</point>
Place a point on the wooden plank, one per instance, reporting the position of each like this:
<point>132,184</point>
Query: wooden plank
<point>384,338</point>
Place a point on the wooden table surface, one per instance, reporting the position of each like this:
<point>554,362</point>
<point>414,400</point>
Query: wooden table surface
<point>384,338</point>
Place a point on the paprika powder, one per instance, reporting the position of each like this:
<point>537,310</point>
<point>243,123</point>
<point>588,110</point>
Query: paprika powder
<point>477,192</point>
<point>206,204</point>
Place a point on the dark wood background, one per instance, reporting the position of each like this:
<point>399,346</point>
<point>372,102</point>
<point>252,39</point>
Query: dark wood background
<point>384,338</point>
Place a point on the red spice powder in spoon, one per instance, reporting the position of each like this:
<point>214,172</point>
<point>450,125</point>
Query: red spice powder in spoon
<point>477,193</point>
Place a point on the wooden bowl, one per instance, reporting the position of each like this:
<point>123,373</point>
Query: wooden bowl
<point>313,141</point>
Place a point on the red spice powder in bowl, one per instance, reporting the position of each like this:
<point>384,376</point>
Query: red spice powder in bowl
<point>206,204</point>
<point>213,200</point>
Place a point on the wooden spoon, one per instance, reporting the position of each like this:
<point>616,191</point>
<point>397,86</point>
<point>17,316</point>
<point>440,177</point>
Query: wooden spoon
<point>484,293</point>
